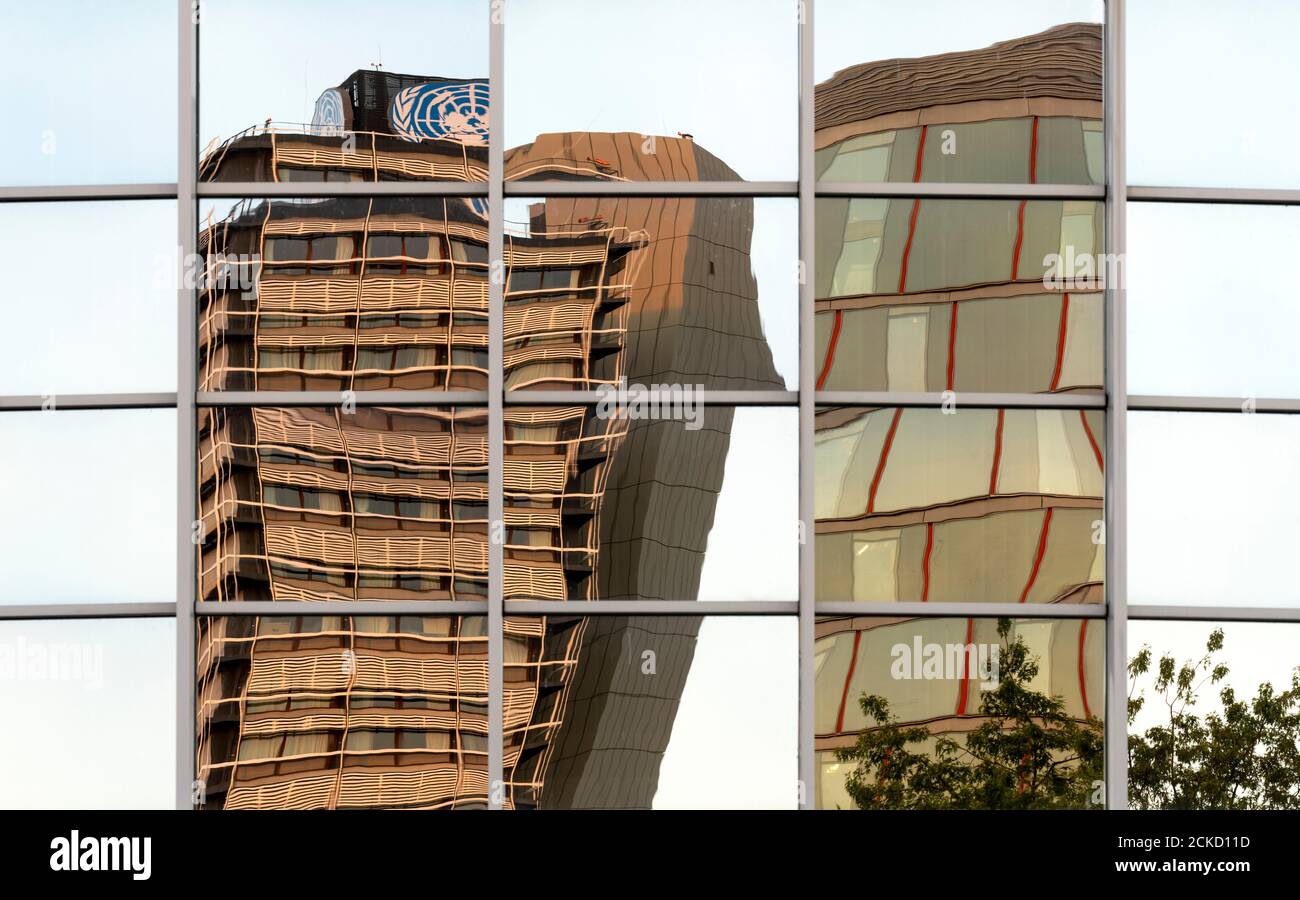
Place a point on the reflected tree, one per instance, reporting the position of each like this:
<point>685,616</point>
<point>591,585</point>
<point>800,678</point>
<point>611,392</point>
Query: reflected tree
<point>1029,753</point>
<point>1243,755</point>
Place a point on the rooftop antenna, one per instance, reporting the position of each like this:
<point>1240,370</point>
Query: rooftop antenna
<point>379,65</point>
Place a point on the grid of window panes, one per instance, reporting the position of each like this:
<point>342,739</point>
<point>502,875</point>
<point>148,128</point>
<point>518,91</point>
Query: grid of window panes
<point>784,387</point>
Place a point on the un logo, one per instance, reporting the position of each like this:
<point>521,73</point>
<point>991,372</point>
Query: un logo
<point>456,111</point>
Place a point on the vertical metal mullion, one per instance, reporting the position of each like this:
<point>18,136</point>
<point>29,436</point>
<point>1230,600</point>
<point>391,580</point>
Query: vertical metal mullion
<point>186,488</point>
<point>807,385</point>
<point>496,413</point>
<point>1116,740</point>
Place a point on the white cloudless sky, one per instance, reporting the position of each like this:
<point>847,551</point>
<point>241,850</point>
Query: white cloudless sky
<point>98,733</point>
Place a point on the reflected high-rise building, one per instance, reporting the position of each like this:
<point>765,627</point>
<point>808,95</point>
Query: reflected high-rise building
<point>375,126</point>
<point>390,502</point>
<point>932,295</point>
<point>960,504</point>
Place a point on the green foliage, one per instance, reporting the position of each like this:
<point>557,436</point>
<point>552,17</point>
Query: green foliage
<point>1243,756</point>
<point>1028,754</point>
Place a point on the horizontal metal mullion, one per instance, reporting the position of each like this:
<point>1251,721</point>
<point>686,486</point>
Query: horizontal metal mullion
<point>1261,196</point>
<point>1160,403</point>
<point>653,607</point>
<point>652,188</point>
<point>88,611</point>
<point>1155,611</point>
<point>65,192</point>
<point>341,608</point>
<point>706,398</point>
<point>337,398</point>
<point>959,399</point>
<point>234,189</point>
<point>966,610</point>
<point>87,401</point>
<point>960,191</point>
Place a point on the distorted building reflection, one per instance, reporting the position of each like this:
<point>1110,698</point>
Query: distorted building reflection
<point>374,126</point>
<point>860,655</point>
<point>981,296</point>
<point>342,712</point>
<point>964,506</point>
<point>926,294</point>
<point>931,294</point>
<point>389,503</point>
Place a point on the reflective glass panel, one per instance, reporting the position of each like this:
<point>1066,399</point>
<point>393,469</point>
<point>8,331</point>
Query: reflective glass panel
<point>959,713</point>
<point>1209,311</point>
<point>927,92</point>
<point>635,712</point>
<point>1204,79</point>
<point>90,92</point>
<point>1210,499</point>
<point>980,505</point>
<point>90,707</point>
<point>965,295</point>
<point>1232,725</point>
<point>90,506</point>
<point>664,91</point>
<point>312,503</point>
<point>333,92</point>
<point>342,712</point>
<point>85,310</point>
<point>696,291</point>
<point>647,498</point>
<point>346,293</point>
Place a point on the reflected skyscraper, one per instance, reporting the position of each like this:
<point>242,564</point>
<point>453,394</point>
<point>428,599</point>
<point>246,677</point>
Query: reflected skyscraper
<point>960,504</point>
<point>934,294</point>
<point>390,503</point>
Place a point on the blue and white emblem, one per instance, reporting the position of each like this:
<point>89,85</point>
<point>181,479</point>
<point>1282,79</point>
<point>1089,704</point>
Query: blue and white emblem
<point>455,110</point>
<point>329,117</point>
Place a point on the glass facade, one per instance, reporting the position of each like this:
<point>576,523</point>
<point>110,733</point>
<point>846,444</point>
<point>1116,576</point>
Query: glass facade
<point>762,419</point>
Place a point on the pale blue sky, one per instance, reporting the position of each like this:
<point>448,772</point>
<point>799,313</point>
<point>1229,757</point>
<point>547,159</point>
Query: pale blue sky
<point>83,311</point>
<point>89,506</point>
<point>90,89</point>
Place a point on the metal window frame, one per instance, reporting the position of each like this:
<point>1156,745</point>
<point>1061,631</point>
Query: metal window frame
<point>186,400</point>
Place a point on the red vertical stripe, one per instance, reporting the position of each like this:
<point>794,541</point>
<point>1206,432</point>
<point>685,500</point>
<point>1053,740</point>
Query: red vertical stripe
<point>925,562</point>
<point>1020,216</point>
<point>1060,341</point>
<point>952,344</point>
<point>1038,555</point>
<point>1020,238</point>
<point>920,149</point>
<point>1083,687</point>
<point>844,695</point>
<point>916,210</point>
<point>965,668</point>
<point>997,454</point>
<point>1033,154</point>
<point>884,458</point>
<point>907,249</point>
<point>830,349</point>
<point>1087,429</point>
